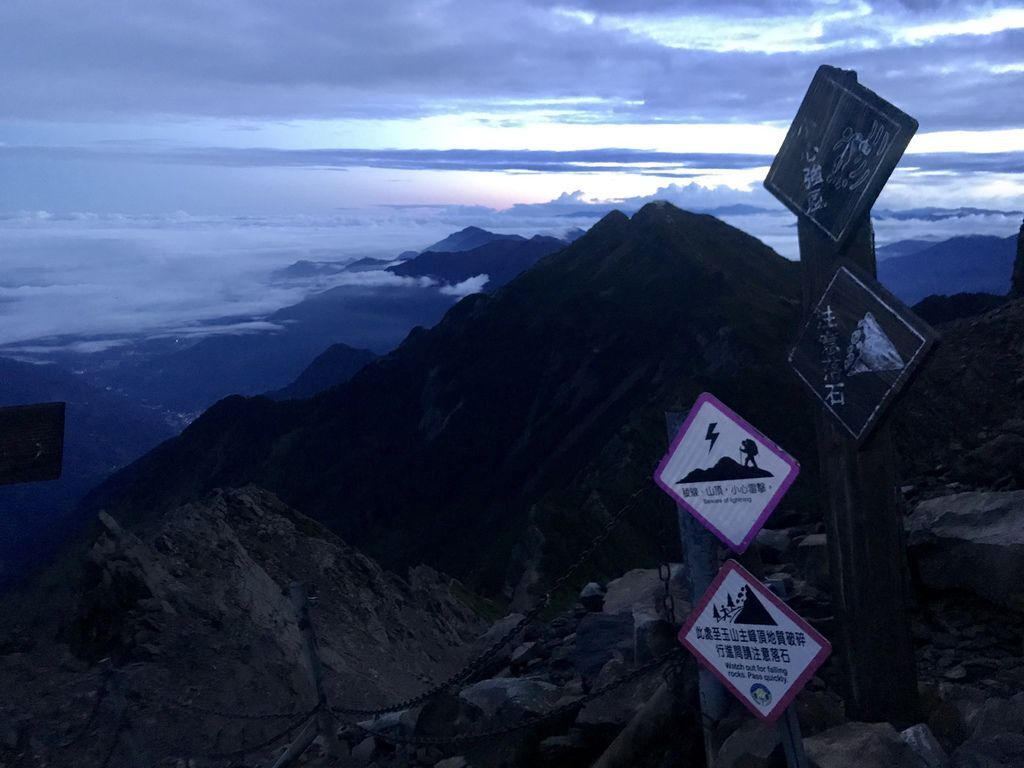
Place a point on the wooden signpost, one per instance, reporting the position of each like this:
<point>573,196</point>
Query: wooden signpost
<point>840,150</point>
<point>31,443</point>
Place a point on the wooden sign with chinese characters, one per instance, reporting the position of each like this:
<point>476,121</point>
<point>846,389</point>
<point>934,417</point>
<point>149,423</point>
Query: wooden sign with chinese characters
<point>858,349</point>
<point>840,150</point>
<point>31,443</point>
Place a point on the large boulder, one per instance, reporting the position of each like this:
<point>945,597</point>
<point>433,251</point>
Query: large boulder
<point>971,541</point>
<point>642,588</point>
<point>860,745</point>
<point>1003,751</point>
<point>752,745</point>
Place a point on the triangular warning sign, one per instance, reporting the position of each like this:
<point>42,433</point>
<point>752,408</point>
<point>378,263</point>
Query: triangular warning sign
<point>753,612</point>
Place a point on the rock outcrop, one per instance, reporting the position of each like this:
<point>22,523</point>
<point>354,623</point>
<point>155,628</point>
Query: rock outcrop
<point>195,610</point>
<point>971,541</point>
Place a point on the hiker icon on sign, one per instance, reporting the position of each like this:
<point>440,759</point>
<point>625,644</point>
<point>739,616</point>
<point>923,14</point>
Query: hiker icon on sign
<point>749,450</point>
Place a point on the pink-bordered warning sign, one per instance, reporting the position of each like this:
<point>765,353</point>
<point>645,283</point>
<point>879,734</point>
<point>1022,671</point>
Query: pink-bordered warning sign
<point>725,473</point>
<point>760,649</point>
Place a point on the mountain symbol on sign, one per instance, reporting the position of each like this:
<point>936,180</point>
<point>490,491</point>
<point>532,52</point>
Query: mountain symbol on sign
<point>871,350</point>
<point>745,609</point>
<point>728,468</point>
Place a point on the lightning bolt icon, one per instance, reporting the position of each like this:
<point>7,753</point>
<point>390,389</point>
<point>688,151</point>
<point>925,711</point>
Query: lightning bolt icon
<point>711,435</point>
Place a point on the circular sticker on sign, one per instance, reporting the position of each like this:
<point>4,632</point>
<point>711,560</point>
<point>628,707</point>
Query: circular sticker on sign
<point>761,694</point>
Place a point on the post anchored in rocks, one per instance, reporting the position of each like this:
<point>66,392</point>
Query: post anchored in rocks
<point>857,349</point>
<point>700,553</point>
<point>322,722</point>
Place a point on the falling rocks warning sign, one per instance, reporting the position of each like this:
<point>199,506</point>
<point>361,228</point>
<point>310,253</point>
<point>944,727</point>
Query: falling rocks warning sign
<point>760,649</point>
<point>858,349</point>
<point>725,473</point>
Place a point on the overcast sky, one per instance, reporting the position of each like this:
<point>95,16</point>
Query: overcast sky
<point>261,106</point>
<point>395,122</point>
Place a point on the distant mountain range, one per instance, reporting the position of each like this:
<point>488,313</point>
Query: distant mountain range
<point>501,259</point>
<point>968,264</point>
<point>522,419</point>
<point>938,214</point>
<point>467,239</point>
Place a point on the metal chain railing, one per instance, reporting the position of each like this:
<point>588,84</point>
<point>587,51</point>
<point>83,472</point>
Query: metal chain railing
<point>488,655</point>
<point>467,672</point>
<point>190,707</point>
<point>268,742</point>
<point>527,722</point>
<point>668,600</point>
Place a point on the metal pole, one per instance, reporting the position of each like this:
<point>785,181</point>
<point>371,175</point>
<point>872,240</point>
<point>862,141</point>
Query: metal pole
<point>300,745</point>
<point>792,739</point>
<point>325,721</point>
<point>700,553</point>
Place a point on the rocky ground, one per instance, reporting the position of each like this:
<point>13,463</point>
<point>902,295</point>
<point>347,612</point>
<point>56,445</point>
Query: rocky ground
<point>197,612</point>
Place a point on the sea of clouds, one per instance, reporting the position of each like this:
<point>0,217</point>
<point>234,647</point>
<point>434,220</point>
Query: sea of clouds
<point>89,279</point>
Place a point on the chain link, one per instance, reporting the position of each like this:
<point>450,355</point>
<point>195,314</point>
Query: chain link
<point>668,600</point>
<point>189,706</point>
<point>488,655</point>
<point>467,672</point>
<point>530,720</point>
<point>270,741</point>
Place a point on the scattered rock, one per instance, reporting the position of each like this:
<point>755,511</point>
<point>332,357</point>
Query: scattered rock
<point>859,745</point>
<point>511,695</point>
<point>996,457</point>
<point>1003,751</point>
<point>643,587</point>
<point>924,744</point>
<point>752,745</point>
<point>363,752</point>
<point>497,631</point>
<point>592,597</point>
<point>452,762</point>
<point>774,545</point>
<point>971,541</point>
<point>570,750</point>
<point>996,716</point>
<point>598,637</point>
<point>819,711</point>
<point>524,654</point>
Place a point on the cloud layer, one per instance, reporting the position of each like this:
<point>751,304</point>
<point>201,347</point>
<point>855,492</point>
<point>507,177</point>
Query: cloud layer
<point>952,65</point>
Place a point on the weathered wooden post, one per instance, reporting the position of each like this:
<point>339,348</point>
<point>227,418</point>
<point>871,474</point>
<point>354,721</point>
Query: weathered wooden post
<point>857,349</point>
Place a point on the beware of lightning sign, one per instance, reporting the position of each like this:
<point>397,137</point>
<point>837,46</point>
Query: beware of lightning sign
<point>725,472</point>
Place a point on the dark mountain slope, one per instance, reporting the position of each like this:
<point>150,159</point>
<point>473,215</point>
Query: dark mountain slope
<point>500,260</point>
<point>335,365</point>
<point>501,438</point>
